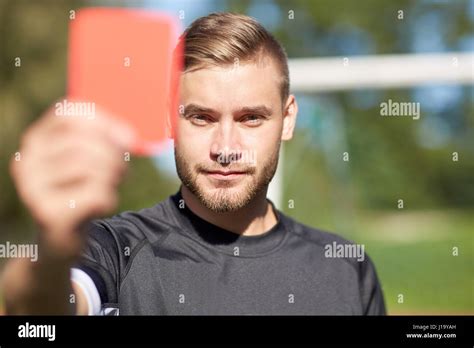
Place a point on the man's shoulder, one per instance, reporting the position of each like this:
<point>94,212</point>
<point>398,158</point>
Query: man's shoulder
<point>330,245</point>
<point>316,236</point>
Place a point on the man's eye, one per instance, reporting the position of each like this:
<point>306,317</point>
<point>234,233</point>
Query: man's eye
<point>252,120</point>
<point>200,120</point>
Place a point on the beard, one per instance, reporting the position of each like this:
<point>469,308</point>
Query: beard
<point>227,196</point>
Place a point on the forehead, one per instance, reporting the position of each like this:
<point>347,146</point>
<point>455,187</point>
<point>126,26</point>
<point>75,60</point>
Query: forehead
<point>218,86</point>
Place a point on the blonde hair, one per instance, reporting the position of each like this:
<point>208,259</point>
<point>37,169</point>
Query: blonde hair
<point>224,38</point>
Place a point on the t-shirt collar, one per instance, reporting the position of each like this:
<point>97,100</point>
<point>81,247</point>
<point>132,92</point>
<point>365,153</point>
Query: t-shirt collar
<point>225,240</point>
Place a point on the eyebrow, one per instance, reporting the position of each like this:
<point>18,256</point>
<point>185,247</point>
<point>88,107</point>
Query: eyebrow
<point>260,110</point>
<point>196,109</point>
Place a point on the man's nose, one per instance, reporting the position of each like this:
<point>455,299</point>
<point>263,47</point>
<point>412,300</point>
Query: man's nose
<point>226,147</point>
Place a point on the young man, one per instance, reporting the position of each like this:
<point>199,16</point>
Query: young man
<point>216,247</point>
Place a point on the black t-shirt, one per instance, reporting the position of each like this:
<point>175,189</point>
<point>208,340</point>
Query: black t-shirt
<point>165,260</point>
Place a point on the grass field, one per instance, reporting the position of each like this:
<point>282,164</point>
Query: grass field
<point>413,253</point>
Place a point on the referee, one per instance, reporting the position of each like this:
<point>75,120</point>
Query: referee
<point>216,247</point>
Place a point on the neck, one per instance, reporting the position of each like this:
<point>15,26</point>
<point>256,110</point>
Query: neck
<point>254,219</point>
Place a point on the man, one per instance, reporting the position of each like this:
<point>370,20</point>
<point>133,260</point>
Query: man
<point>216,247</point>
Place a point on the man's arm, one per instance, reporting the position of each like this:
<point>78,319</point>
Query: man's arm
<point>31,288</point>
<point>82,307</point>
<point>68,174</point>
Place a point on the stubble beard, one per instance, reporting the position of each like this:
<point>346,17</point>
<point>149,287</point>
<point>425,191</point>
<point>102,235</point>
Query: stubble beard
<point>228,196</point>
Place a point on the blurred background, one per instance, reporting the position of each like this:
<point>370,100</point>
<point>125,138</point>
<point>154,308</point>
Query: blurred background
<point>357,194</point>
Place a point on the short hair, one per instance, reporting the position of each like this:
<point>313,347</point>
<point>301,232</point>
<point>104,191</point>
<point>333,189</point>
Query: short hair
<point>219,38</point>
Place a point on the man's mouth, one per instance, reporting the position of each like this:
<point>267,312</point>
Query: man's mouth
<point>225,174</point>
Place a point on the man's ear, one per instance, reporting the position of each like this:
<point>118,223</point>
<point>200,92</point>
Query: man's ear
<point>289,118</point>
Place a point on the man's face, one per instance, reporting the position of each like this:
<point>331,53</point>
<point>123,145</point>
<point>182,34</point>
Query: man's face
<point>228,133</point>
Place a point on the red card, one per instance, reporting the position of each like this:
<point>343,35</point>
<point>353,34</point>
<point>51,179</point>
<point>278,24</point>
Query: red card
<point>122,60</point>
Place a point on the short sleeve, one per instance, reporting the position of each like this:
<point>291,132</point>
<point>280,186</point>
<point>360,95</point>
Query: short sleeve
<point>100,261</point>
